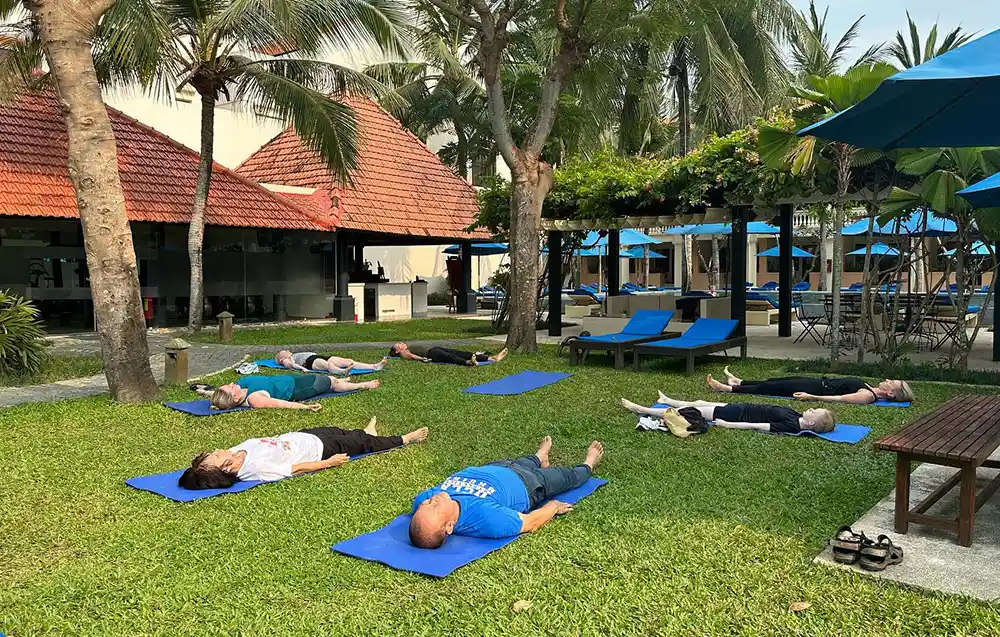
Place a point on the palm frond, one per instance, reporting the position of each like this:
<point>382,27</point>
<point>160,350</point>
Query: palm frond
<point>324,124</point>
<point>135,45</point>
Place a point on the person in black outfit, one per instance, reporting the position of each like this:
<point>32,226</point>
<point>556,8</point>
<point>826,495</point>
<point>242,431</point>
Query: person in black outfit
<point>428,354</point>
<point>770,418</point>
<point>852,391</point>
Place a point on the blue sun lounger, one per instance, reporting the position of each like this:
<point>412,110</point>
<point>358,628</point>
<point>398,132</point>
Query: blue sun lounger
<point>645,325</point>
<point>705,336</point>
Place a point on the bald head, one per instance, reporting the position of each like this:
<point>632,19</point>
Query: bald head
<point>433,521</point>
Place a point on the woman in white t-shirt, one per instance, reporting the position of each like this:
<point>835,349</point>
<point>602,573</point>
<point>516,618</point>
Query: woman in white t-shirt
<point>269,459</point>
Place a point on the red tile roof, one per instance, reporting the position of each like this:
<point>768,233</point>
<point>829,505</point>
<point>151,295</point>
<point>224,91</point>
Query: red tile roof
<point>400,187</point>
<point>158,174</point>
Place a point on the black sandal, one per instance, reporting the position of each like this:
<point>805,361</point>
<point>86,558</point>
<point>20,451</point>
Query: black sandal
<point>847,545</point>
<point>876,556</point>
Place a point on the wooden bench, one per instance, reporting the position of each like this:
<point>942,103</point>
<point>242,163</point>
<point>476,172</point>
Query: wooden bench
<point>963,432</point>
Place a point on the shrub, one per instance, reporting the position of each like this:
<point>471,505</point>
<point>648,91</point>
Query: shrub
<point>437,298</point>
<point>22,340</point>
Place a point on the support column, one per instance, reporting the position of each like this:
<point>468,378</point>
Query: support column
<point>996,310</point>
<point>614,262</point>
<point>738,269</point>
<point>555,283</point>
<point>785,270</point>
<point>343,305</point>
<point>359,256</point>
<point>466,303</point>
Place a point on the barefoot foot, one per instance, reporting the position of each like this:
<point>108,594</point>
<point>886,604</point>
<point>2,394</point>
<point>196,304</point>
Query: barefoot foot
<point>370,429</point>
<point>543,451</point>
<point>382,363</point>
<point>594,454</point>
<point>372,384</point>
<point>502,354</point>
<point>633,407</point>
<point>662,398</point>
<point>716,385</point>
<point>731,378</point>
<point>418,435</point>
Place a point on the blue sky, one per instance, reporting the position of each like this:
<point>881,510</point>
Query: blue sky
<point>884,17</point>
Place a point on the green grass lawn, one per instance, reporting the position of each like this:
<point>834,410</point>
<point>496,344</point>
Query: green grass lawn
<point>414,330</point>
<point>58,368</point>
<point>712,535</point>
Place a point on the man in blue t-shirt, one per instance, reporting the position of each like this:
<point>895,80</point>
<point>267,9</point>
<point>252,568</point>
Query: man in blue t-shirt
<point>499,499</point>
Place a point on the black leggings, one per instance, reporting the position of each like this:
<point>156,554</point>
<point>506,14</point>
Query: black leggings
<point>455,356</point>
<point>353,443</point>
<point>782,386</point>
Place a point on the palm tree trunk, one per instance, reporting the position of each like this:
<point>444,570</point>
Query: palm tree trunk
<point>867,313</point>
<point>844,154</point>
<point>716,262</point>
<point>196,229</point>
<point>682,90</point>
<point>629,124</point>
<point>462,153</point>
<point>65,30</point>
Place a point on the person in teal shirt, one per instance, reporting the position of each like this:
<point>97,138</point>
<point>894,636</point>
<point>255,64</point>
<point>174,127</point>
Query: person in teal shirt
<point>285,391</point>
<point>498,500</point>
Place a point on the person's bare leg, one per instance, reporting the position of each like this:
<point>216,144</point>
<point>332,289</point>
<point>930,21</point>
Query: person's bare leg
<point>370,429</point>
<point>543,451</point>
<point>706,408</point>
<point>323,365</point>
<point>717,386</point>
<point>499,356</point>
<point>643,411</point>
<point>594,454</point>
<point>415,436</point>
<point>372,366</point>
<point>731,379</point>
<point>339,385</point>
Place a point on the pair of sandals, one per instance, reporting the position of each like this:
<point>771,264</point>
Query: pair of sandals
<point>856,548</point>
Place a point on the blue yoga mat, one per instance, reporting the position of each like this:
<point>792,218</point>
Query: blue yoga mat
<point>391,546</point>
<point>165,484</point>
<point>518,383</point>
<point>877,403</point>
<point>204,407</point>
<point>850,434</point>
<point>270,364</point>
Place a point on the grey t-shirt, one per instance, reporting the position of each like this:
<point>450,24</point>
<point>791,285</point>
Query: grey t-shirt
<point>299,358</point>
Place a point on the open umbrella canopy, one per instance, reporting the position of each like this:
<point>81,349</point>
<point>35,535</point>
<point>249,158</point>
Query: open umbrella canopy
<point>628,237</point>
<point>984,194</point>
<point>979,249</point>
<point>950,100</point>
<point>480,249</point>
<point>797,253</point>
<point>754,227</point>
<point>937,226</point>
<point>878,250</point>
<point>636,253</point>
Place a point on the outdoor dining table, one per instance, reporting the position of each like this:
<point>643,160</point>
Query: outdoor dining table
<point>963,433</point>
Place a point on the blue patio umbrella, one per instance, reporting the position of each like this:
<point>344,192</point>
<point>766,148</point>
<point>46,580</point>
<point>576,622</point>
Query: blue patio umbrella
<point>480,249</point>
<point>937,226</point>
<point>797,253</point>
<point>754,227</point>
<point>627,237</point>
<point>636,253</point>
<point>984,194</point>
<point>878,250</point>
<point>979,249</point>
<point>950,100</point>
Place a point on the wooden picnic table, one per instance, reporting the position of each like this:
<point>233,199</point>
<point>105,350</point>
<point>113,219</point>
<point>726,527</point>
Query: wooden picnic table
<point>963,432</point>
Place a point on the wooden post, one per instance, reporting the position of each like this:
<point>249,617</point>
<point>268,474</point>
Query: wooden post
<point>738,269</point>
<point>902,520</point>
<point>175,366</point>
<point>785,270</point>
<point>225,327</point>
<point>466,297</point>
<point>555,283</point>
<point>614,262</point>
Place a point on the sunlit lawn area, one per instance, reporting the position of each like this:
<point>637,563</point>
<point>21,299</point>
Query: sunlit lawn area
<point>713,535</point>
<point>416,330</point>
<point>57,368</point>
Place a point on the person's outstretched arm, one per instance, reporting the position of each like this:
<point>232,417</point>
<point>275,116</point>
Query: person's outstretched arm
<point>543,515</point>
<point>308,467</point>
<point>759,426</point>
<point>407,355</point>
<point>263,400</point>
<point>860,397</point>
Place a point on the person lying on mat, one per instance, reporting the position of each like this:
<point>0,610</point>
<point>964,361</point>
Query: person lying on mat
<point>269,459</point>
<point>443,355</point>
<point>313,362</point>
<point>771,418</point>
<point>853,391</point>
<point>284,391</point>
<point>499,499</point>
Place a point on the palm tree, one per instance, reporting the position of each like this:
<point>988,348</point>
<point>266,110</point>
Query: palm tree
<point>912,54</point>
<point>259,54</point>
<point>821,98</point>
<point>812,53</point>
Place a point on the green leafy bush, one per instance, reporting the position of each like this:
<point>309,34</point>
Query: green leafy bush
<point>22,340</point>
<point>437,298</point>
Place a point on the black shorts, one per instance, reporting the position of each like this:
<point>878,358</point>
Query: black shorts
<point>308,364</point>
